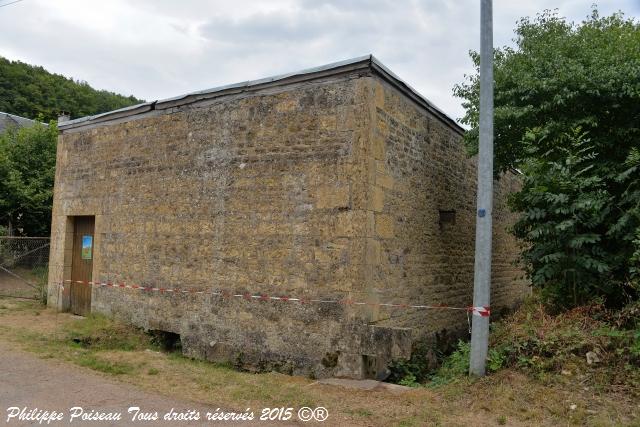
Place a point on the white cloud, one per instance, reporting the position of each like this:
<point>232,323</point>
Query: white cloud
<point>161,48</point>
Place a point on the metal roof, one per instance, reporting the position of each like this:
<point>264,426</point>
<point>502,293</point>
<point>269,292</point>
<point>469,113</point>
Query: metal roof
<point>342,67</point>
<point>8,120</point>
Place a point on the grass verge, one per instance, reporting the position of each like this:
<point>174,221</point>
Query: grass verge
<point>511,396</point>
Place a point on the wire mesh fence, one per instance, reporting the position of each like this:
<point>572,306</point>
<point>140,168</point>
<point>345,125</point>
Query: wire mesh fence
<point>24,267</point>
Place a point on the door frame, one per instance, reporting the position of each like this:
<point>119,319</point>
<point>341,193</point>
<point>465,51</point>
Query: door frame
<point>82,264</point>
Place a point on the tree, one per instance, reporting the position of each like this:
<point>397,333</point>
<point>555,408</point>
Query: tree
<point>28,155</point>
<point>27,169</point>
<point>567,113</point>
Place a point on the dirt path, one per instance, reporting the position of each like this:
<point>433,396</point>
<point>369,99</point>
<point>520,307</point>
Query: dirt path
<point>27,381</point>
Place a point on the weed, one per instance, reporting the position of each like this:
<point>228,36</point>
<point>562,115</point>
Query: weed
<point>454,366</point>
<point>418,368</point>
<point>496,359</point>
<point>153,371</point>
<point>409,381</point>
<point>542,343</point>
<point>408,422</point>
<point>41,274</point>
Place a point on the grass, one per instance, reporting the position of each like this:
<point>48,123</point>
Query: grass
<point>93,361</point>
<point>510,396</point>
<point>40,276</point>
<point>99,332</point>
<point>590,345</point>
<point>551,347</point>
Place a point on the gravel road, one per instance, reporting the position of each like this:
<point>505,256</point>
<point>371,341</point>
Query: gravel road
<point>32,385</point>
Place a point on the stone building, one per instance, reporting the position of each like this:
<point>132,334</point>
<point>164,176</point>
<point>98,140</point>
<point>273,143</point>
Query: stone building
<point>10,120</point>
<point>338,183</point>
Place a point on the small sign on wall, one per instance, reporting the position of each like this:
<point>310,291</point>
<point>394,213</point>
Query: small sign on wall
<point>87,244</point>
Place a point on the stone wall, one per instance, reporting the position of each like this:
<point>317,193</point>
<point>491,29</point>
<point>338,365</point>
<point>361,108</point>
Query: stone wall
<point>329,188</point>
<point>423,191</point>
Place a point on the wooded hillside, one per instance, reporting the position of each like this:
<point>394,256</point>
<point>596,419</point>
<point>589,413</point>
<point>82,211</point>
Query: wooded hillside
<point>28,91</point>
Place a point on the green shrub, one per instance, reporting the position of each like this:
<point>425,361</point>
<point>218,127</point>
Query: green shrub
<point>418,368</point>
<point>455,366</point>
<point>429,364</point>
<point>566,108</point>
<point>409,380</point>
<point>573,251</point>
<point>539,342</point>
<point>496,359</point>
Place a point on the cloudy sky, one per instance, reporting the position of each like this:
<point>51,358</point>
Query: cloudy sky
<point>160,48</point>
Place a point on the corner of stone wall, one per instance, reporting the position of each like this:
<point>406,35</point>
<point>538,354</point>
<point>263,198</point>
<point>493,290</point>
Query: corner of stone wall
<point>379,345</point>
<point>60,255</point>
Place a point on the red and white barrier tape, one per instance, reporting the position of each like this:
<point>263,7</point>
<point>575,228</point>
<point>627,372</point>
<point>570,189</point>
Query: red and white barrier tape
<point>483,311</point>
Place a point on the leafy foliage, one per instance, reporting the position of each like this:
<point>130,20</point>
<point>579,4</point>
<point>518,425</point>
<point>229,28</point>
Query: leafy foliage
<point>455,366</point>
<point>589,345</point>
<point>567,113</point>
<point>569,224</point>
<point>561,76</point>
<point>630,205</point>
<point>415,370</point>
<point>27,155</point>
<point>27,169</point>
<point>420,369</point>
<point>29,91</point>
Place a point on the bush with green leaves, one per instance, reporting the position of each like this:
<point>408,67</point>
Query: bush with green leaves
<point>417,369</point>
<point>630,178</point>
<point>572,249</point>
<point>567,113</point>
<point>450,365</point>
<point>27,170</point>
<point>454,367</point>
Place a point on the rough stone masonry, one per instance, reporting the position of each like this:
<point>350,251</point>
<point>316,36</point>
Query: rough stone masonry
<point>339,182</point>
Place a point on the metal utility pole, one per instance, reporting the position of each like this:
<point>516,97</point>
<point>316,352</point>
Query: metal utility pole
<point>482,270</point>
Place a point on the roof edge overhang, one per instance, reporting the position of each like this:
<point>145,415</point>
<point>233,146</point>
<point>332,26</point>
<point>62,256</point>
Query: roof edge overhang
<point>18,119</point>
<point>363,63</point>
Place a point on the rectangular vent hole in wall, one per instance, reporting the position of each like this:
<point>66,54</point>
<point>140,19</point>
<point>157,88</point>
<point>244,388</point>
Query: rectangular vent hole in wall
<point>369,366</point>
<point>447,218</point>
<point>167,341</point>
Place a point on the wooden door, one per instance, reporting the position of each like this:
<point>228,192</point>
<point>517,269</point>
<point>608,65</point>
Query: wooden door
<point>82,264</point>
